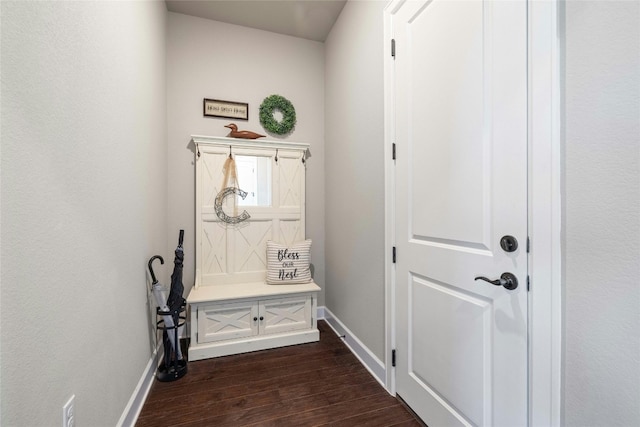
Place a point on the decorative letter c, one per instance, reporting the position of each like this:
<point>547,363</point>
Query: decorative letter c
<point>218,206</point>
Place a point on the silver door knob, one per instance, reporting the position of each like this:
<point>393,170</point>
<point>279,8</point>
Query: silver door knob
<point>508,280</point>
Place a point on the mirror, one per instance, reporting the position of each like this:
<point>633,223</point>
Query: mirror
<point>254,177</point>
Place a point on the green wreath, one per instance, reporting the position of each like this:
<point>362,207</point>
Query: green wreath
<point>274,103</point>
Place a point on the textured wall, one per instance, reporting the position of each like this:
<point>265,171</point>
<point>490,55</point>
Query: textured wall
<point>354,150</point>
<point>209,59</point>
<point>83,161</point>
<point>601,208</point>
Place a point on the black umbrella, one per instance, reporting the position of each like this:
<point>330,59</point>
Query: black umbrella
<point>174,365</point>
<point>175,300</point>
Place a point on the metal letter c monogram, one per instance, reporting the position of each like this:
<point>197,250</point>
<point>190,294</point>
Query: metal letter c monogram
<point>218,206</point>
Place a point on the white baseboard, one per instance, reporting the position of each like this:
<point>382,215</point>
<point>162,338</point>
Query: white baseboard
<point>139,396</point>
<point>361,351</point>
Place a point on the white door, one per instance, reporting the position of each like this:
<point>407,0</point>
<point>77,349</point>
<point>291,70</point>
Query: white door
<point>460,88</point>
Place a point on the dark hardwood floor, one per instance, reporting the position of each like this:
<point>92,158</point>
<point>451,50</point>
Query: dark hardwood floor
<point>318,384</point>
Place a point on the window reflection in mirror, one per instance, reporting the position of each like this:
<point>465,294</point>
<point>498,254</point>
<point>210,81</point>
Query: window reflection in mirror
<point>254,177</point>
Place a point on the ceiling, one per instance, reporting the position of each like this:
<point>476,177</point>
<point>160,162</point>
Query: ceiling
<point>307,19</point>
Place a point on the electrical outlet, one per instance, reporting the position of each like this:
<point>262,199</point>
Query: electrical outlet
<point>69,412</point>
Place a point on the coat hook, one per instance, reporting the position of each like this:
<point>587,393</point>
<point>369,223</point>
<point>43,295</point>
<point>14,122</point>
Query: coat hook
<point>276,155</point>
<point>230,152</point>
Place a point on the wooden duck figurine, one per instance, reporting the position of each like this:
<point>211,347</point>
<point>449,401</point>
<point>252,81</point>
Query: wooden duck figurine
<point>244,134</point>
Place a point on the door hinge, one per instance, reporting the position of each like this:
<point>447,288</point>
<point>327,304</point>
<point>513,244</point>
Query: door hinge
<point>528,283</point>
<point>393,48</point>
<point>393,151</point>
<point>393,357</point>
<point>528,244</point>
<point>393,255</point>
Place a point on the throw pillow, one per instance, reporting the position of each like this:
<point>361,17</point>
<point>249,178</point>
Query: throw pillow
<point>288,264</point>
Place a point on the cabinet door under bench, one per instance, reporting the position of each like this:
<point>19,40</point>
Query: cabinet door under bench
<point>284,314</point>
<point>220,322</point>
<point>240,318</point>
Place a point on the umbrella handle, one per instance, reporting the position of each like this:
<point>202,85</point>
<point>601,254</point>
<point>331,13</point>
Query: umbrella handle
<point>181,238</point>
<point>153,276</point>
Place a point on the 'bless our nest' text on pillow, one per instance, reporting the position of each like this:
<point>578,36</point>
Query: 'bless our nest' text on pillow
<point>288,264</point>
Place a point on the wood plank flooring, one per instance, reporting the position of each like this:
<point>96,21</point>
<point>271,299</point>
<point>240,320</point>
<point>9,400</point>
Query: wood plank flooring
<point>317,384</point>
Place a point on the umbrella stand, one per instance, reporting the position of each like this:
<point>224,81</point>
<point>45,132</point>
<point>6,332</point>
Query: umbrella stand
<point>173,367</point>
<point>171,317</point>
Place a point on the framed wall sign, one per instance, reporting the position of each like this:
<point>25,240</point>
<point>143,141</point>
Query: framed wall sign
<point>226,109</point>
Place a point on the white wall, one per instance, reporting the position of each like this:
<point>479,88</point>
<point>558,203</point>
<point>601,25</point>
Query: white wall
<point>602,211</point>
<point>209,59</point>
<point>83,204</point>
<point>354,151</point>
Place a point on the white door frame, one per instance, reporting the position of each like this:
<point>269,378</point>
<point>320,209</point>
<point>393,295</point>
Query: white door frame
<point>544,199</point>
